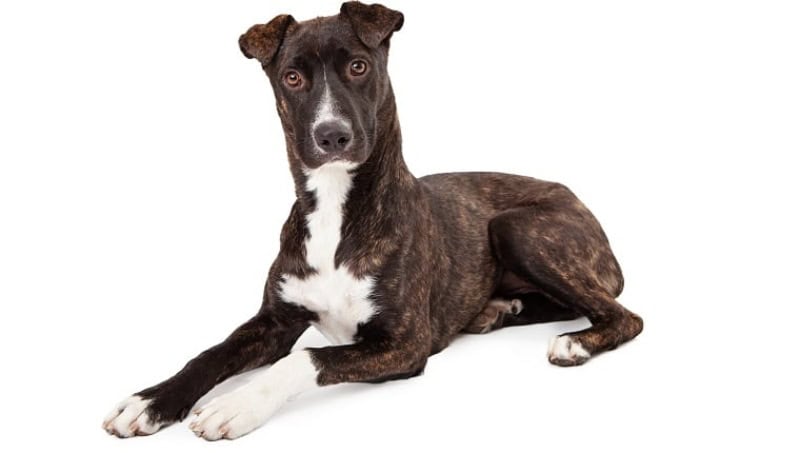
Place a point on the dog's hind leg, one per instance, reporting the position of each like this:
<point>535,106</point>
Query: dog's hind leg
<point>559,247</point>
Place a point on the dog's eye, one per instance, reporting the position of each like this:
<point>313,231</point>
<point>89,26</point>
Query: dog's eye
<point>358,68</point>
<point>293,79</point>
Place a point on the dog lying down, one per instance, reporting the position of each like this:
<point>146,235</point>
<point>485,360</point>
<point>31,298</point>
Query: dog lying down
<point>389,267</point>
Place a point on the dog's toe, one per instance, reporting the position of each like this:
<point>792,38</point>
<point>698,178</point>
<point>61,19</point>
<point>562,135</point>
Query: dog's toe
<point>516,307</point>
<point>567,351</point>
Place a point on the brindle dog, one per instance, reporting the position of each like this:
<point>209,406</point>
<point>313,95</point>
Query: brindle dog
<point>389,267</point>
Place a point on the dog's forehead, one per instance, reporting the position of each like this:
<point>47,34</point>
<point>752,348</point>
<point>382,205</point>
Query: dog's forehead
<point>321,38</point>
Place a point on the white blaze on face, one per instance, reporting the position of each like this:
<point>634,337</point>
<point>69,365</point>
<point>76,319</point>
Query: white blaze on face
<point>327,111</point>
<point>325,107</point>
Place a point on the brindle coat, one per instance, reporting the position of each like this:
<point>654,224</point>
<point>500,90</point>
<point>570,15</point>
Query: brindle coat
<point>443,246</point>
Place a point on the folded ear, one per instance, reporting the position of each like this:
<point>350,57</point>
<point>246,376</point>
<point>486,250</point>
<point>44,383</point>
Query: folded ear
<point>263,40</point>
<point>373,24</point>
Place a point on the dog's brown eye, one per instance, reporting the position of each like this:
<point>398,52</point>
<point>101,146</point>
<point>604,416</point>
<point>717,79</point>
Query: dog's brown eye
<point>293,79</point>
<point>358,67</point>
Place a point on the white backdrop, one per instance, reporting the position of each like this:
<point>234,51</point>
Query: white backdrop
<point>143,184</point>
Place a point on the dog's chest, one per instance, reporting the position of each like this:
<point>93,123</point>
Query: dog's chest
<point>340,300</point>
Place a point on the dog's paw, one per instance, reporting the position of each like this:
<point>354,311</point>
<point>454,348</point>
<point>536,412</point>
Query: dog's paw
<point>130,418</point>
<point>492,315</point>
<point>233,414</point>
<point>567,351</point>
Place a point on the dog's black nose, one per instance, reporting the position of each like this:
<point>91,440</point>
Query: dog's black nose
<point>333,136</point>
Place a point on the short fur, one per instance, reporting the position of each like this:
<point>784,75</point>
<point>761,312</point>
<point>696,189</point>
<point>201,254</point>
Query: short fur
<point>439,249</point>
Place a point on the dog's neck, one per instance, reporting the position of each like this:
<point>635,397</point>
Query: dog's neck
<point>382,180</point>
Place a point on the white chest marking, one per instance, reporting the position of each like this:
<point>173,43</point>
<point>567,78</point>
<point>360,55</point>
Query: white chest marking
<point>341,300</point>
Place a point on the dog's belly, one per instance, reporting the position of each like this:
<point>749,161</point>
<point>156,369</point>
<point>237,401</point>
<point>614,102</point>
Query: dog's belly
<point>341,301</point>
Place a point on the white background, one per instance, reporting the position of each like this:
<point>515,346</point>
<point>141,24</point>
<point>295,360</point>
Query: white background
<point>143,183</point>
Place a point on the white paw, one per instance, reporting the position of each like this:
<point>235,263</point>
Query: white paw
<point>513,306</point>
<point>234,414</point>
<point>566,351</point>
<point>130,419</point>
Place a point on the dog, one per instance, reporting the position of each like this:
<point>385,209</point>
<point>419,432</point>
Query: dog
<point>389,267</point>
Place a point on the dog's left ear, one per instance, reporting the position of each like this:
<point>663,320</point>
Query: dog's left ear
<point>373,24</point>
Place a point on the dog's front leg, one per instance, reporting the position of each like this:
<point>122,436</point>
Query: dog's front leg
<point>248,407</point>
<point>263,339</point>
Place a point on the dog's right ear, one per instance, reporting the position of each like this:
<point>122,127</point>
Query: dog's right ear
<point>373,24</point>
<point>263,40</point>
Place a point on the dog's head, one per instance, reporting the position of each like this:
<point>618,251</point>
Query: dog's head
<point>329,78</point>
